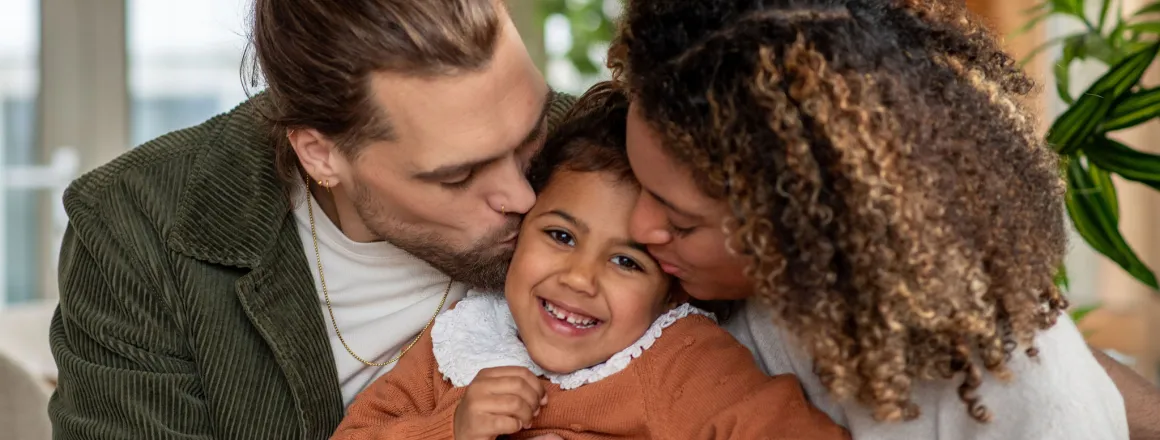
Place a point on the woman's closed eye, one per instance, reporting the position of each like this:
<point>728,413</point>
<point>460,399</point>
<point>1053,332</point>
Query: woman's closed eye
<point>679,230</point>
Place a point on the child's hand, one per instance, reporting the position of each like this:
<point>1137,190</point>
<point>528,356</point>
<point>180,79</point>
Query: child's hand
<point>499,401</point>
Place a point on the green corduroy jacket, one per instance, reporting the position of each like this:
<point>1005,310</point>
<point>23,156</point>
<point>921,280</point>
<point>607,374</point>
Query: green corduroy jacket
<point>187,306</point>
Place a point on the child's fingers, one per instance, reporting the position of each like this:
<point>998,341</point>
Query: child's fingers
<point>488,417</point>
<point>513,406</point>
<point>523,374</point>
<point>504,425</point>
<point>513,386</point>
<point>488,425</point>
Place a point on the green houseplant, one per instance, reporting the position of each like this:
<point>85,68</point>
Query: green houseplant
<point>591,28</point>
<point>1084,134</point>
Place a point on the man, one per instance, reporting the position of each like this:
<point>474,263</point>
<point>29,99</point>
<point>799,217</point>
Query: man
<point>246,277</point>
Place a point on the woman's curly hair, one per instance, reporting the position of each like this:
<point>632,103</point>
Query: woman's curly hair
<point>898,211</point>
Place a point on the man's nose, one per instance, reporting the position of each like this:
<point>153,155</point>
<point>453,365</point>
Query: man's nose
<point>514,195</point>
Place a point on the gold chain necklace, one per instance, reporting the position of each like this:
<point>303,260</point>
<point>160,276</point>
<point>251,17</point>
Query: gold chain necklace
<point>326,294</point>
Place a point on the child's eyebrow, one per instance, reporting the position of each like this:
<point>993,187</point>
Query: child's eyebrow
<point>568,218</point>
<point>635,245</point>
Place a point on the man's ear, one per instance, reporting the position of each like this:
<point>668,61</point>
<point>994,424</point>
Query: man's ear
<point>317,154</point>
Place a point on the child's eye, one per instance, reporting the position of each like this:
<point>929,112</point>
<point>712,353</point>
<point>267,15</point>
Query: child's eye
<point>562,237</point>
<point>627,263</point>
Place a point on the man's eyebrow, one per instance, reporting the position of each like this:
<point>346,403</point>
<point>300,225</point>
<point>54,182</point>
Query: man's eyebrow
<point>456,169</point>
<point>453,170</point>
<point>671,206</point>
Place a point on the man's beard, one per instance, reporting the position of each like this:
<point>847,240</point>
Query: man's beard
<point>483,265</point>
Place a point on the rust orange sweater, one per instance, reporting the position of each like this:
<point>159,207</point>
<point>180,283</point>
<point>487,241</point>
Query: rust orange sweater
<point>695,382</point>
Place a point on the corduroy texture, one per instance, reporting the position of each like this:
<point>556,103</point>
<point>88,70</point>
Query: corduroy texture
<point>187,308</point>
<point>695,382</point>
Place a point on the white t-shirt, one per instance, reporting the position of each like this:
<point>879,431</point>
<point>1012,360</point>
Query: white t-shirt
<point>382,297</point>
<point>1062,395</point>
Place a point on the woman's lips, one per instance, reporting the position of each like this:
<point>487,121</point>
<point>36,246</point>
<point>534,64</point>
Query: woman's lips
<point>668,267</point>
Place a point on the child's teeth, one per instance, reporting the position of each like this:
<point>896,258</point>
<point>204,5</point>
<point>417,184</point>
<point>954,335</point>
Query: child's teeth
<point>569,317</point>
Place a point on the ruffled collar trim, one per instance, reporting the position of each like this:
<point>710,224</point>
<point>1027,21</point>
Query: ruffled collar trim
<point>480,333</point>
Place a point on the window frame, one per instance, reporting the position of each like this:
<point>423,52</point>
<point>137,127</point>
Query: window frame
<point>83,101</point>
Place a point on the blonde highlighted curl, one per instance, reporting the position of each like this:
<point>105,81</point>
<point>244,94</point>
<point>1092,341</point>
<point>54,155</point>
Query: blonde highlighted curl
<point>899,213</point>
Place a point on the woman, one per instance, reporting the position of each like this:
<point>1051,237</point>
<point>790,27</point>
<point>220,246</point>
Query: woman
<point>862,173</point>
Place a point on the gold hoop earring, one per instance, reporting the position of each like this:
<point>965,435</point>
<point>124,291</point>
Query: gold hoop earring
<point>502,210</point>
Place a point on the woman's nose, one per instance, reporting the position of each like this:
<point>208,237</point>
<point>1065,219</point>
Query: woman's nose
<point>647,225</point>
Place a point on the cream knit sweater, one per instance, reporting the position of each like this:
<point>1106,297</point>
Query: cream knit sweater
<point>1062,395</point>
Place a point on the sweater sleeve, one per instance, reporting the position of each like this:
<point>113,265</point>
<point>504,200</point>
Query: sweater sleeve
<point>702,382</point>
<point>410,402</point>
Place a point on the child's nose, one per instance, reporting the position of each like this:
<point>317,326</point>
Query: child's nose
<point>580,277</point>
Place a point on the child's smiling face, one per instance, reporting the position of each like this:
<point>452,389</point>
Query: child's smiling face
<point>579,288</point>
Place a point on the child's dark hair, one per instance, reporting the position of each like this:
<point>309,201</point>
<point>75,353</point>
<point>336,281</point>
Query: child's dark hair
<point>590,139</point>
<point>899,212</point>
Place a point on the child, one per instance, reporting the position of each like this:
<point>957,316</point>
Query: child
<point>588,343</point>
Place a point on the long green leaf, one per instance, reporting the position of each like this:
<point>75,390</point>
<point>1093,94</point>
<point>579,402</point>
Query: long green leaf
<point>1082,205</point>
<point>1104,14</point>
<point>1150,9</point>
<point>1030,24</point>
<point>1073,49</point>
<point>1091,214</point>
<point>1102,180</point>
<point>1078,122</point>
<point>1149,27</point>
<point>1116,36</point>
<point>1068,7</point>
<point>1096,46</point>
<point>1042,47</point>
<point>1079,313</point>
<point>1125,74</point>
<point>1088,112</point>
<point>1061,278</point>
<point>1133,110</point>
<point>1121,159</point>
<point>1036,8</point>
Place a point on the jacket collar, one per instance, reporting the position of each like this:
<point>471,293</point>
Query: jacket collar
<point>233,212</point>
<point>233,206</point>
